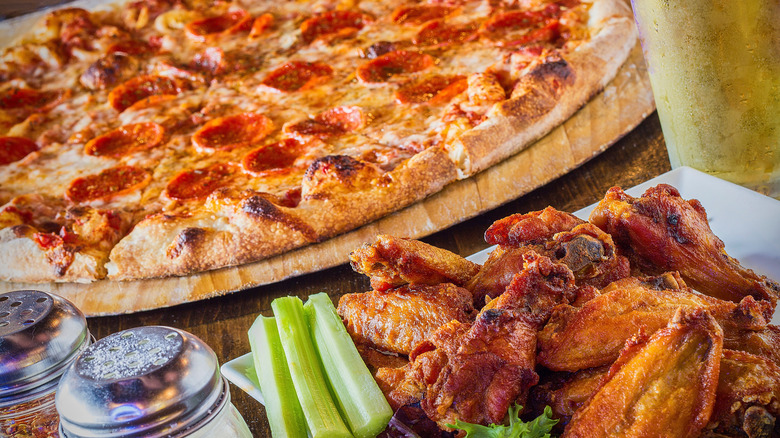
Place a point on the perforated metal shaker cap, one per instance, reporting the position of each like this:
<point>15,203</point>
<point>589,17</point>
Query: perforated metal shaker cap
<point>40,335</point>
<point>149,381</point>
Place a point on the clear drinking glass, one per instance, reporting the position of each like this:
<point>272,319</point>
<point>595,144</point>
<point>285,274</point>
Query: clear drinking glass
<point>714,68</point>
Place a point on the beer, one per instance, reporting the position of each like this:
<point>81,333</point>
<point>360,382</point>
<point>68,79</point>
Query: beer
<point>714,68</point>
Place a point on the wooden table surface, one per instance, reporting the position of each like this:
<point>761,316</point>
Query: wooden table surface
<point>223,322</point>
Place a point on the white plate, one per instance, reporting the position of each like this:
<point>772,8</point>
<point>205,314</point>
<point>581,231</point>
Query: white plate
<point>746,221</point>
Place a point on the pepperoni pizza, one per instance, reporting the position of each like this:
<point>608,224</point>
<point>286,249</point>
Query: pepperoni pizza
<point>168,137</point>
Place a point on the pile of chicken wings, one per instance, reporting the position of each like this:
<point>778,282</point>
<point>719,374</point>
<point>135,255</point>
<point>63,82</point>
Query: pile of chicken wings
<point>635,323</point>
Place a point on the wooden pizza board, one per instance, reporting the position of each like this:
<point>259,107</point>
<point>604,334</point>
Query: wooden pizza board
<point>611,114</point>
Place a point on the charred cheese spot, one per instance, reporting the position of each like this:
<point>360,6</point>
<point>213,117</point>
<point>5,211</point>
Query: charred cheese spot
<point>551,77</point>
<point>187,238</point>
<point>341,167</point>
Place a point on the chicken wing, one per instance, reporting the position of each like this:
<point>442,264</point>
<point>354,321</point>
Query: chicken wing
<point>748,396</point>
<point>397,319</point>
<point>589,252</point>
<point>477,371</point>
<point>529,228</point>
<point>593,335</point>
<point>565,393</point>
<point>393,261</point>
<point>662,232</point>
<point>747,400</point>
<point>664,386</point>
<point>764,342</point>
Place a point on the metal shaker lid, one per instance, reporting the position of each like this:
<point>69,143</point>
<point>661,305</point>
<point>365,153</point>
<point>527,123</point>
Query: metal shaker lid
<point>149,381</point>
<point>40,334</point>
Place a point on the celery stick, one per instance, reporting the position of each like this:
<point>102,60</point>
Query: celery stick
<point>281,402</point>
<point>362,403</point>
<point>322,415</point>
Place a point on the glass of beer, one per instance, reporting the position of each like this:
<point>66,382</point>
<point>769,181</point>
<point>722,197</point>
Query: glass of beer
<point>714,68</point>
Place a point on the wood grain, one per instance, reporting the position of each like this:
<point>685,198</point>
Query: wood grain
<point>619,108</point>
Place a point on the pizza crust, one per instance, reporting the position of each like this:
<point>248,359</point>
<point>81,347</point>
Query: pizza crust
<point>255,228</point>
<point>31,264</point>
<point>516,123</point>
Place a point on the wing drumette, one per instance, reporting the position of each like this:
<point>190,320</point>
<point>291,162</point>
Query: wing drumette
<point>662,387</point>
<point>393,261</point>
<point>589,252</point>
<point>663,232</point>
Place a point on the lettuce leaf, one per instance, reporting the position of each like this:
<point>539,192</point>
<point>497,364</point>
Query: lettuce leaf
<point>540,427</point>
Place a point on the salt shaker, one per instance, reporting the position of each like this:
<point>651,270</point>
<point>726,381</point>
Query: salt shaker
<point>40,336</point>
<point>151,381</point>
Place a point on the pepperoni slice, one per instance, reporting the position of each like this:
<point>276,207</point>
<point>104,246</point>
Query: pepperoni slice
<point>273,158</point>
<point>433,90</point>
<point>199,183</point>
<point>551,31</point>
<point>15,148</point>
<point>436,33</point>
<point>126,140</point>
<point>234,131</point>
<point>420,14</point>
<point>138,88</point>
<point>333,23</point>
<point>30,98</point>
<point>228,23</point>
<point>330,123</point>
<point>345,118</point>
<point>131,47</point>
<point>107,184</point>
<point>397,62</point>
<point>510,28</point>
<point>297,75</point>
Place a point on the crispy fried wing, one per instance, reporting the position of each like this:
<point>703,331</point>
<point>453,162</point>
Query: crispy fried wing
<point>529,228</point>
<point>397,319</point>
<point>663,232</point>
<point>747,401</point>
<point>764,342</point>
<point>748,396</point>
<point>589,252</point>
<point>477,373</point>
<point>593,335</point>
<point>407,385</point>
<point>565,393</point>
<point>393,261</point>
<point>662,387</point>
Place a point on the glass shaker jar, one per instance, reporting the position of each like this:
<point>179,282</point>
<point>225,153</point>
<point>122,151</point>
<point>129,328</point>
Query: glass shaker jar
<point>40,335</point>
<point>151,381</point>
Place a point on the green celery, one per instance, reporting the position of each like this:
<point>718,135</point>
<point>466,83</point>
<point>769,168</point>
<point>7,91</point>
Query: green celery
<point>281,402</point>
<point>322,415</point>
<point>362,403</point>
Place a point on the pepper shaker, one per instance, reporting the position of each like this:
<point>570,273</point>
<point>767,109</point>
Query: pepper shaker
<point>40,336</point>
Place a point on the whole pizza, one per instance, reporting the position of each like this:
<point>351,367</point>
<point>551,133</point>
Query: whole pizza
<point>168,137</point>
